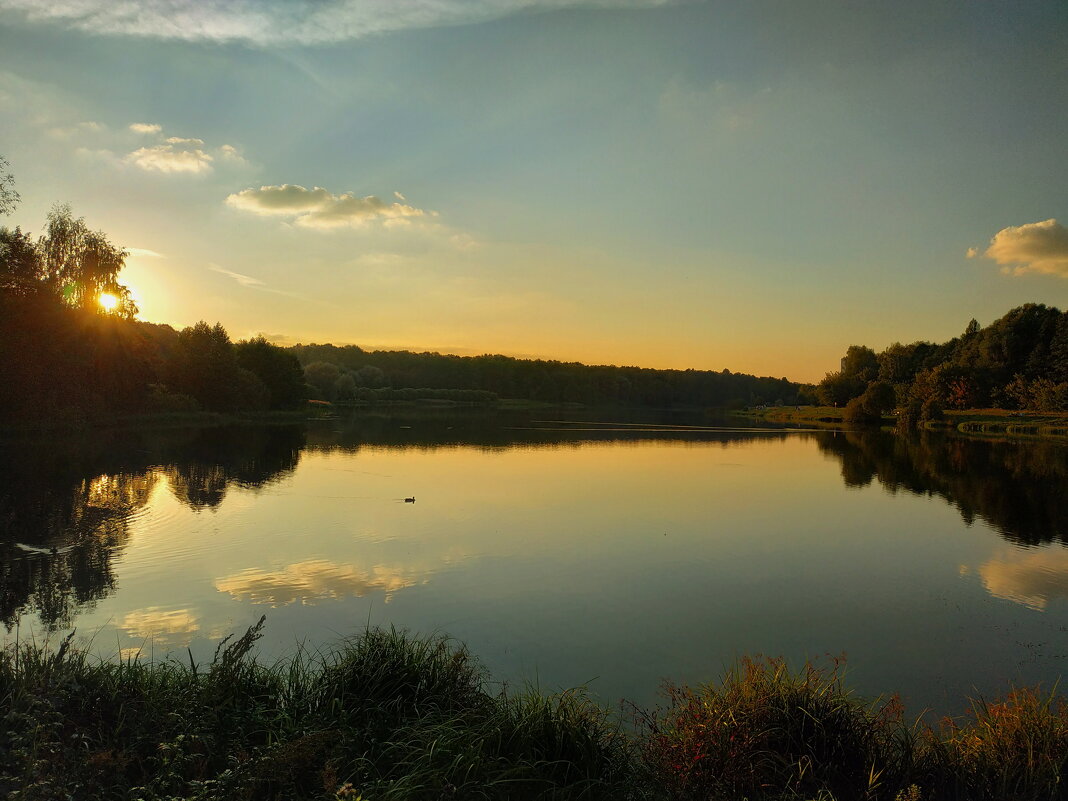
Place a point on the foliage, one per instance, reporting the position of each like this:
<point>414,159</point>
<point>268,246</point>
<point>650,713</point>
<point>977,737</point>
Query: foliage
<point>538,380</point>
<point>79,264</point>
<point>1019,361</point>
<point>278,369</point>
<point>765,731</point>
<point>9,198</point>
<point>1012,748</point>
<point>869,406</point>
<point>387,716</point>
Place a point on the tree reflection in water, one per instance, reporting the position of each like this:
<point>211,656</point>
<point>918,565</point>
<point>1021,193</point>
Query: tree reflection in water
<point>66,505</point>
<point>1017,487</point>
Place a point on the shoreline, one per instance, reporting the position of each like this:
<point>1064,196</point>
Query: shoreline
<point>979,422</point>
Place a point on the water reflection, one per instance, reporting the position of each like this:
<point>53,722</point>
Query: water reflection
<point>1032,577</point>
<point>66,504</point>
<point>1016,487</point>
<point>66,507</point>
<point>316,580</point>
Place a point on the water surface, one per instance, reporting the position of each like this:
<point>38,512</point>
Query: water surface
<point>614,553</point>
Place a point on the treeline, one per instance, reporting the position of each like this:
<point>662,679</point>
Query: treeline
<point>1017,362</point>
<point>71,350</point>
<point>351,372</point>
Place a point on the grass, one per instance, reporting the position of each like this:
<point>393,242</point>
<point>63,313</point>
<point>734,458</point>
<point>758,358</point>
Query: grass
<point>968,421</point>
<point>387,715</point>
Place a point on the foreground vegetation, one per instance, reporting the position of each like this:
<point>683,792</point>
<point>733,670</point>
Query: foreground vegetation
<point>391,716</point>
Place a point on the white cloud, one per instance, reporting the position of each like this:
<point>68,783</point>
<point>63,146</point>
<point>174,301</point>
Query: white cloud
<point>232,155</point>
<point>173,155</point>
<point>145,127</point>
<point>272,22</point>
<point>1040,247</point>
<point>144,252</point>
<point>319,208</point>
<point>971,253</point>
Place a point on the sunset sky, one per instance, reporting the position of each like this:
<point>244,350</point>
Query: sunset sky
<point>750,185</point>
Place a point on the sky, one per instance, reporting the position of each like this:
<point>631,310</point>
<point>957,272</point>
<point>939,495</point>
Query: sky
<point>751,185</point>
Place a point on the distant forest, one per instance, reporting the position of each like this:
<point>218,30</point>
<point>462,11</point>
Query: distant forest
<point>351,373</point>
<point>1019,361</point>
<point>71,350</point>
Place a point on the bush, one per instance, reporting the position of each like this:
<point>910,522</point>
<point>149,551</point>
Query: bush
<point>765,732</point>
<point>1016,748</point>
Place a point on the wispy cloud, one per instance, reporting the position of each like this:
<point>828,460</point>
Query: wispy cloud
<point>244,280</point>
<point>144,252</point>
<point>272,22</point>
<point>77,130</point>
<point>1040,247</point>
<point>319,208</point>
<point>145,127</point>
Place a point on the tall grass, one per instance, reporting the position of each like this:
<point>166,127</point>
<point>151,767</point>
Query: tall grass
<point>765,731</point>
<point>385,716</point>
<point>388,716</point>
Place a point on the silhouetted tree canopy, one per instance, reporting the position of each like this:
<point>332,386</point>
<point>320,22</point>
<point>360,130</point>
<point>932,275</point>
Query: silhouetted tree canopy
<point>1019,361</point>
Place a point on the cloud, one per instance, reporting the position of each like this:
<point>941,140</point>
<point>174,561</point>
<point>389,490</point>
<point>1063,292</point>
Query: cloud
<point>145,127</point>
<point>314,580</point>
<point>244,280</point>
<point>318,208</point>
<point>1040,247</point>
<point>144,252</point>
<point>173,155</point>
<point>88,127</point>
<point>274,22</point>
<point>232,155</point>
<point>1032,577</point>
<point>175,626</point>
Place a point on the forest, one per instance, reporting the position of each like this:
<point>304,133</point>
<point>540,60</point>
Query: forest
<point>1020,361</point>
<point>72,350</point>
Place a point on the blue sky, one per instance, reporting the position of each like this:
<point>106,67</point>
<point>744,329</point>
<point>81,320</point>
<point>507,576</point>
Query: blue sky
<point>750,185</point>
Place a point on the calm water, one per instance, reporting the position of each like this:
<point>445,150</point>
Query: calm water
<point>616,554</point>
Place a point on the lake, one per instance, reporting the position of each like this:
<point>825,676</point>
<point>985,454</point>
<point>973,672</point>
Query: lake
<point>609,551</point>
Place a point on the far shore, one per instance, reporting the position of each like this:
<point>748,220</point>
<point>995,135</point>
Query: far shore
<point>968,421</point>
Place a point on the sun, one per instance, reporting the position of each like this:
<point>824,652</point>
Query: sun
<point>107,301</point>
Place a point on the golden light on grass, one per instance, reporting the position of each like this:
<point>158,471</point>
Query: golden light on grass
<point>108,301</point>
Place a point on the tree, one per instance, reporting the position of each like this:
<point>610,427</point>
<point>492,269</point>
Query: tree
<point>322,376</point>
<point>20,266</point>
<point>80,265</point>
<point>278,369</point>
<point>868,407</point>
<point>203,365</point>
<point>861,363</point>
<point>9,198</point>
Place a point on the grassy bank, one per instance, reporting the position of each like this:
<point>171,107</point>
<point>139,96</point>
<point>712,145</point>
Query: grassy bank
<point>968,421</point>
<point>392,716</point>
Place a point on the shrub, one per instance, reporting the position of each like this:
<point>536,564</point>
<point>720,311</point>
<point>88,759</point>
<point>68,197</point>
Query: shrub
<point>765,732</point>
<point>1016,748</point>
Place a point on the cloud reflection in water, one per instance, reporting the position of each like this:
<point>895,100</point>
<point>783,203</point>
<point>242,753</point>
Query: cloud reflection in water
<point>315,580</point>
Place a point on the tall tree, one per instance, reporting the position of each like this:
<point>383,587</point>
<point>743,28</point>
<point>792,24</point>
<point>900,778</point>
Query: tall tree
<point>81,265</point>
